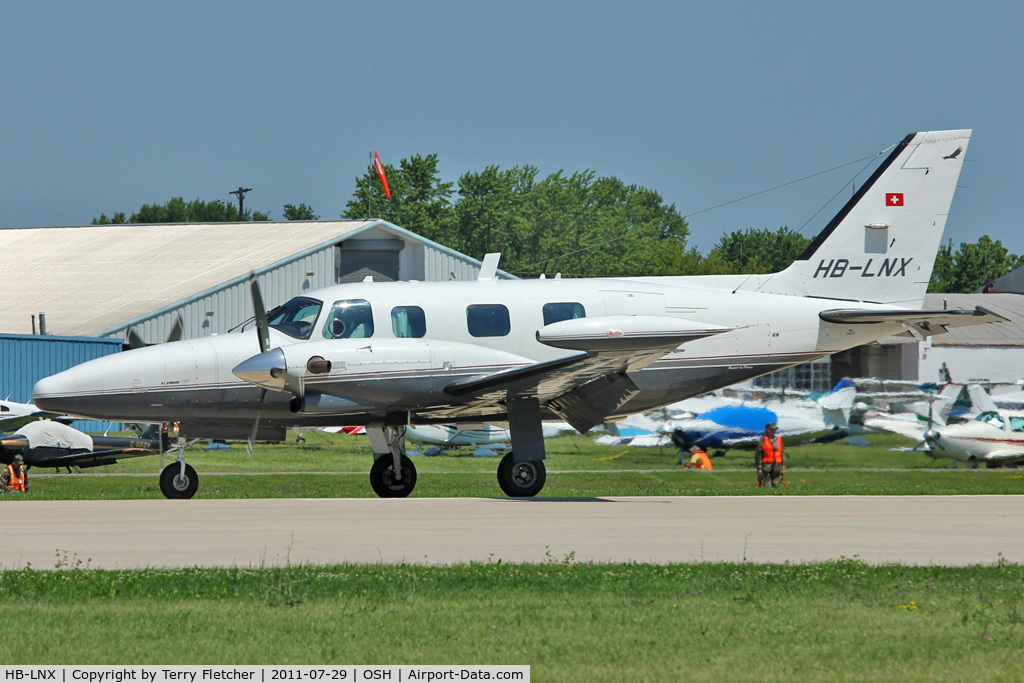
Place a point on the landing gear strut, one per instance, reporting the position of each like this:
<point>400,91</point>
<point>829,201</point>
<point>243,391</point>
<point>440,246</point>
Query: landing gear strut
<point>523,476</point>
<point>393,475</point>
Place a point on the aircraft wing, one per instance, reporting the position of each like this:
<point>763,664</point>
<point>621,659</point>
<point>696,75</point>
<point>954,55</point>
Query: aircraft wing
<point>90,458</point>
<point>912,429</point>
<point>586,387</point>
<point>925,322</point>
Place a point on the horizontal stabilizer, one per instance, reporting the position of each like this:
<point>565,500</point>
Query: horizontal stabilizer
<point>925,322</point>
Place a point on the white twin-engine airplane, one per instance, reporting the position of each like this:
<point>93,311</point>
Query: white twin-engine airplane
<point>387,355</point>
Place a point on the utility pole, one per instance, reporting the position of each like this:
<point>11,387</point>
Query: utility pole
<point>241,200</point>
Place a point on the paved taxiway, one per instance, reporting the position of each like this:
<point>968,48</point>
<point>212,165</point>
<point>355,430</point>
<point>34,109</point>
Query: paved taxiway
<point>953,530</point>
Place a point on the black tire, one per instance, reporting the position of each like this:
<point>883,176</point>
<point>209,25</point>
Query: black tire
<point>521,479</point>
<point>174,486</point>
<point>382,477</point>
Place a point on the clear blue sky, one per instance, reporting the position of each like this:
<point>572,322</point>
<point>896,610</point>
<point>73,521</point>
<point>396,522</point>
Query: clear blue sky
<point>109,105</point>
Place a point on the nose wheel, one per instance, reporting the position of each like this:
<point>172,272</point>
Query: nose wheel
<point>521,479</point>
<point>178,482</point>
<point>389,483</point>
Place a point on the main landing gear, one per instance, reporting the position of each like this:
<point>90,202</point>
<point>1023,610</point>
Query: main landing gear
<point>393,474</point>
<point>522,479</point>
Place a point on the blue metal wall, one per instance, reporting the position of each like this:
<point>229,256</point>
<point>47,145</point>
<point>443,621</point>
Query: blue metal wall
<point>25,359</point>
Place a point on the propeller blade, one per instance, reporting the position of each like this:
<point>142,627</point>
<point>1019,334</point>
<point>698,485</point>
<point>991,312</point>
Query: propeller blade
<point>262,329</point>
<point>255,424</point>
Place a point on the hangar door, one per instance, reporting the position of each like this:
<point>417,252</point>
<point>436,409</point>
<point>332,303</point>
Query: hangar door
<point>377,257</point>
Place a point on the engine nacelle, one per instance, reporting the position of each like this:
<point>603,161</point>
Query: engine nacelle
<point>371,373</point>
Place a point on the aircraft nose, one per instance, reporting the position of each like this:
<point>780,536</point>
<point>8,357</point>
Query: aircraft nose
<point>267,369</point>
<point>59,393</point>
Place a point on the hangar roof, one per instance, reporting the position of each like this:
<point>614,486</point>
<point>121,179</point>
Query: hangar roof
<point>66,272</point>
<point>1010,333</point>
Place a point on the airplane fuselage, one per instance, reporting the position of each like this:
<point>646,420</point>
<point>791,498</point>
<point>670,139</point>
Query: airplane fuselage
<point>416,338</point>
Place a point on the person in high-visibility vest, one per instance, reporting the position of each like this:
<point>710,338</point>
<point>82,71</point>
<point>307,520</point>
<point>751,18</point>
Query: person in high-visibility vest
<point>770,458</point>
<point>699,460</point>
<point>14,477</point>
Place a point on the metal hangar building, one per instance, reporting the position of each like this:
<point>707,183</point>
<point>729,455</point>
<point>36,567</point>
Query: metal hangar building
<point>72,293</point>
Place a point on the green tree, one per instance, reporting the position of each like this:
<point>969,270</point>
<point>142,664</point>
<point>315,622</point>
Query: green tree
<point>299,213</point>
<point>177,210</point>
<point>577,224</point>
<point>419,198</point>
<point>757,250</point>
<point>117,218</point>
<point>974,262</point>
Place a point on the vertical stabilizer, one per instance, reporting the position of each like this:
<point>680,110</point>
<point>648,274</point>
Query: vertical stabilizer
<point>881,246</point>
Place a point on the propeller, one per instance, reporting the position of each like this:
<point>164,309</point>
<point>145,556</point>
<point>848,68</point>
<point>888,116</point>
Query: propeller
<point>262,328</point>
<point>930,436</point>
<point>263,337</point>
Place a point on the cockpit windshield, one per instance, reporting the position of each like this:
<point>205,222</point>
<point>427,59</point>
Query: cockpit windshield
<point>296,317</point>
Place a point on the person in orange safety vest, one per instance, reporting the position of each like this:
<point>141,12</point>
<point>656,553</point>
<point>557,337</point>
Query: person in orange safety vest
<point>699,460</point>
<point>770,458</point>
<point>14,477</point>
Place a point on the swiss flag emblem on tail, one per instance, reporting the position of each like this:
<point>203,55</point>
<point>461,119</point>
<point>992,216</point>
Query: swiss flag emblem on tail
<point>894,199</point>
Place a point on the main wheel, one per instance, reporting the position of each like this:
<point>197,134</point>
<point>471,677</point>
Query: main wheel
<point>521,479</point>
<point>384,482</point>
<point>175,485</point>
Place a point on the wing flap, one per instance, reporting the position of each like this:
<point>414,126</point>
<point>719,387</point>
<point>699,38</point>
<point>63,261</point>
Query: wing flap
<point>586,387</point>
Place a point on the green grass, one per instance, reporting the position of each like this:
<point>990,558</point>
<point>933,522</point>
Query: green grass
<point>568,620</point>
<point>576,467</point>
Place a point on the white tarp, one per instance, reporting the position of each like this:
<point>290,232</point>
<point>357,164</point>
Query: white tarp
<point>49,434</point>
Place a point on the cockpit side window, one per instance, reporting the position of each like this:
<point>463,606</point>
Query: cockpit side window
<point>296,317</point>
<point>554,313</point>
<point>351,319</point>
<point>1017,424</point>
<point>993,418</point>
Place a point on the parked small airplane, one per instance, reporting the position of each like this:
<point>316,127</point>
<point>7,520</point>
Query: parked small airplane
<point>14,415</point>
<point>44,443</point>
<point>995,437</point>
<point>390,354</point>
<point>990,434</point>
<point>483,439</point>
<point>740,424</point>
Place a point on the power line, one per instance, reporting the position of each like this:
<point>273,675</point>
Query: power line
<point>633,232</point>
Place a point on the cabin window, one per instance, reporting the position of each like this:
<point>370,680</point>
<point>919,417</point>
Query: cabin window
<point>352,319</point>
<point>488,320</point>
<point>555,313</point>
<point>296,317</point>
<point>408,321</point>
<point>993,418</point>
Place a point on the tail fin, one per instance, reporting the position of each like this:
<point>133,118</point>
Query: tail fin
<point>881,246</point>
